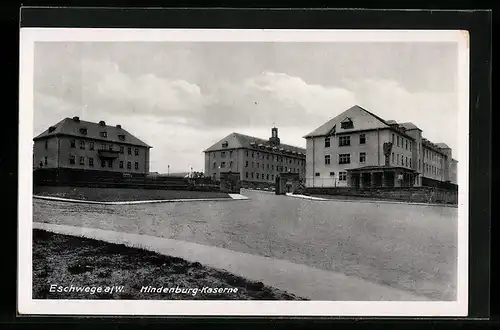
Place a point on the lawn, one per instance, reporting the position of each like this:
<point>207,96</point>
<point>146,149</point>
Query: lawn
<point>67,261</point>
<point>122,194</point>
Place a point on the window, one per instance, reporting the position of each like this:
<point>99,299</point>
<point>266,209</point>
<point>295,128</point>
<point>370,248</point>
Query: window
<point>104,134</point>
<point>129,151</point>
<point>272,177</point>
<point>225,144</point>
<point>72,160</point>
<point>122,149</point>
<point>246,163</point>
<point>82,160</point>
<point>223,154</point>
<point>121,163</point>
<point>83,131</point>
<point>136,151</point>
<point>231,164</point>
<point>257,175</point>
<point>344,141</point>
<point>103,147</point>
<point>110,147</point>
<point>327,160</point>
<point>72,143</point>
<point>45,161</point>
<point>406,144</point>
<point>267,156</point>
<point>246,175</point>
<point>252,154</point>
<point>252,174</point>
<point>316,174</point>
<point>327,142</point>
<point>257,165</point>
<point>91,145</point>
<point>246,154</point>
<point>272,167</point>
<point>121,137</point>
<point>215,165</point>
<point>393,157</point>
<point>267,177</point>
<point>110,163</point>
<point>398,141</point>
<point>267,166</point>
<point>410,163</point>
<point>136,165</point>
<point>410,145</point>
<point>286,169</point>
<point>222,164</point>
<point>406,161</point>
<point>393,138</point>
<point>362,157</point>
<point>344,158</point>
<point>46,144</point>
<point>91,162</point>
<point>129,165</point>
<point>342,176</point>
<point>347,123</point>
<point>332,173</point>
<point>362,139</point>
<point>103,163</point>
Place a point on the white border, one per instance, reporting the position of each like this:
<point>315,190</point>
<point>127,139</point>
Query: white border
<point>27,305</point>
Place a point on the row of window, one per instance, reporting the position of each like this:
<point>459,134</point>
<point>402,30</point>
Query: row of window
<point>271,167</point>
<point>401,160</point>
<point>267,156</point>
<point>261,176</point>
<point>428,154</point>
<point>342,175</point>
<point>104,162</point>
<point>103,146</point>
<point>432,169</point>
<point>345,140</point>
<point>346,158</point>
<point>402,142</point>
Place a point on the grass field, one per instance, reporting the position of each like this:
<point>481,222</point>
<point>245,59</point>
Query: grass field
<point>62,260</point>
<point>122,194</point>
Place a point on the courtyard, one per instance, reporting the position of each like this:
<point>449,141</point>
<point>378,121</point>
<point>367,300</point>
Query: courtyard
<point>409,247</point>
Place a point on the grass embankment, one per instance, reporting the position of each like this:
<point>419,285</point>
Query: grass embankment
<point>73,261</point>
<point>122,194</point>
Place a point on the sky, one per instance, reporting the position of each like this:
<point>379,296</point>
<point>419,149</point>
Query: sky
<point>182,97</point>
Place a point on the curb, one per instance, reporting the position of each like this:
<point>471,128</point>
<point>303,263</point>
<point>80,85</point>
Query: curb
<point>232,197</point>
<point>368,201</point>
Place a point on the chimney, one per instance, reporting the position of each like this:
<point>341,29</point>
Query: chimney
<point>77,119</point>
<point>118,126</point>
<point>102,123</point>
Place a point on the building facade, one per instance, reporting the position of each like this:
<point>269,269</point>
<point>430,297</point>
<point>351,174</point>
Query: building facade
<point>258,161</point>
<point>359,149</point>
<point>76,144</point>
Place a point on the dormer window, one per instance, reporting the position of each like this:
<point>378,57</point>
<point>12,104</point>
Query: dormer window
<point>225,144</point>
<point>104,134</point>
<point>52,129</point>
<point>83,131</point>
<point>121,137</point>
<point>347,124</point>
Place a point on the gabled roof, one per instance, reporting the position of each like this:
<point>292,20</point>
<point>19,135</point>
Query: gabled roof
<point>71,127</point>
<point>372,121</point>
<point>237,140</point>
<point>410,126</point>
<point>442,145</point>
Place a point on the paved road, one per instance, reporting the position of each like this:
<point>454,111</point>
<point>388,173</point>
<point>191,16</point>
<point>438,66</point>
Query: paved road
<point>411,247</point>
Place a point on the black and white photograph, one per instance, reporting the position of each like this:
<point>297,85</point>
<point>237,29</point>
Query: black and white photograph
<point>243,172</point>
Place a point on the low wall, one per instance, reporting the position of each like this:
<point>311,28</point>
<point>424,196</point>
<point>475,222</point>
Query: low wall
<point>257,185</point>
<point>406,194</point>
<point>107,179</point>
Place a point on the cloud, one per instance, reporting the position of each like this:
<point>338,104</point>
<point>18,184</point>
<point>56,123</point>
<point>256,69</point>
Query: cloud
<point>181,118</point>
